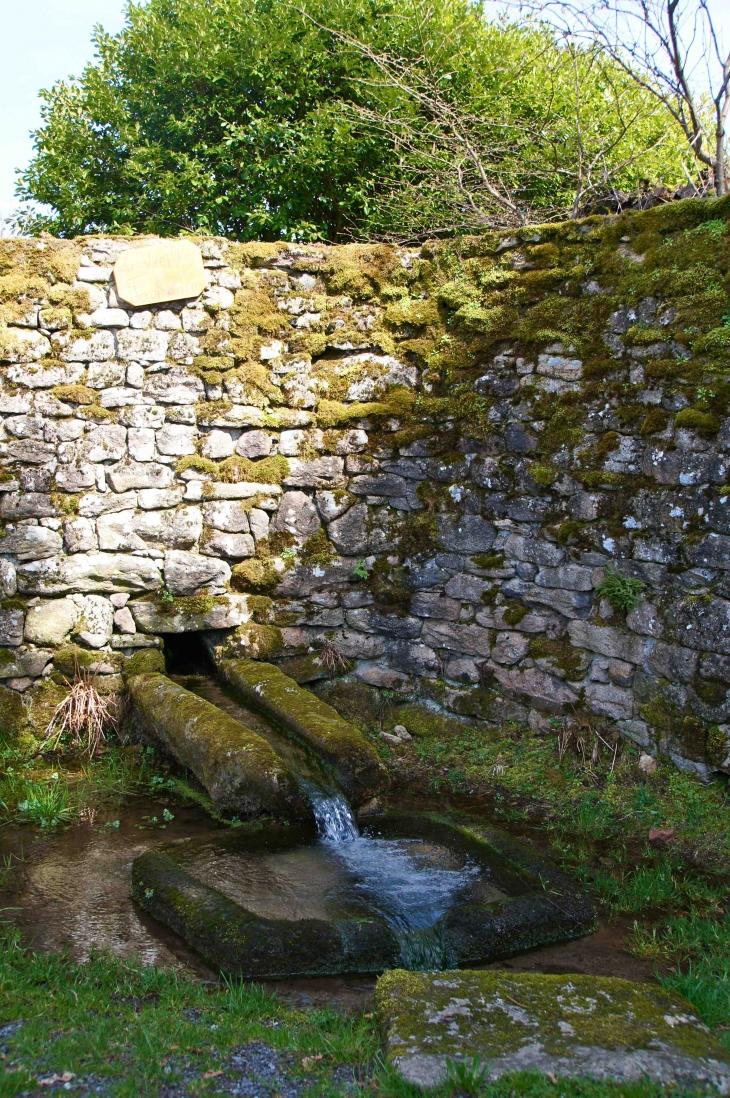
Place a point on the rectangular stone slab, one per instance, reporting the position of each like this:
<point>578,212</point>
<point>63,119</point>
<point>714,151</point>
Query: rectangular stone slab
<point>571,1026</point>
<point>169,271</point>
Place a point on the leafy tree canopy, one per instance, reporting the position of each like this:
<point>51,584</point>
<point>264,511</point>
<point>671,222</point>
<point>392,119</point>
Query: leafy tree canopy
<point>256,119</point>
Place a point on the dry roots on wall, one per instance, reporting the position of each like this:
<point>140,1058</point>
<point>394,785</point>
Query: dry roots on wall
<point>489,472</point>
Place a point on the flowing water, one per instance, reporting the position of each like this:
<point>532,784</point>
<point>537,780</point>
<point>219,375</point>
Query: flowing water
<point>397,879</point>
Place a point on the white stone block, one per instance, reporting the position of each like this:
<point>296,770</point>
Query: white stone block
<point>217,445</point>
<point>141,443</point>
<point>176,440</point>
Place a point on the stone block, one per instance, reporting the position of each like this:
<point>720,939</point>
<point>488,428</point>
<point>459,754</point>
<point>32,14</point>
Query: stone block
<point>15,505</point>
<point>672,662</point>
<point>88,572</point>
<point>469,640</point>
<point>228,515</point>
<point>176,440</point>
<point>8,578</point>
<point>298,515</point>
<point>96,624</point>
<point>466,534</point>
<point>572,604</point>
<point>190,574</point>
<point>427,605</point>
<point>11,626</point>
<point>254,444</point>
<point>217,445</point>
<point>100,503</point>
<point>607,641</point>
<point>712,551</point>
<point>597,1028</point>
<point>542,690</point>
<point>610,701</point>
<point>22,346</point>
<point>232,546</point>
<point>31,543</point>
<point>96,348</point>
<point>646,619</point>
<point>370,620</point>
<point>134,474</point>
<point>38,376</point>
<point>105,443</point>
<point>413,658</point>
<point>142,346</point>
<point>177,528</point>
<point>323,472</point>
<point>190,614</point>
<point>75,478</point>
<point>510,648</point>
<point>105,375</point>
<point>174,387</point>
<point>467,588</point>
<point>703,625</point>
<point>570,577</point>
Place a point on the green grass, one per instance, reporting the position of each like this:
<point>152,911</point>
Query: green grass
<point>138,1031</point>
<point>49,793</point>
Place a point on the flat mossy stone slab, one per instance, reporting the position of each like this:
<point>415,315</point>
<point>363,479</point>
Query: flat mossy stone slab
<point>264,686</point>
<point>594,1027</point>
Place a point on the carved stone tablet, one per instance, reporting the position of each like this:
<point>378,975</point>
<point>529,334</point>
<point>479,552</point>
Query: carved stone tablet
<point>169,271</point>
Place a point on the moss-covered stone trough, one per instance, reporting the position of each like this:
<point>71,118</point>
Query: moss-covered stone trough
<point>300,713</point>
<point>241,900</point>
<point>238,768</point>
<point>567,1026</point>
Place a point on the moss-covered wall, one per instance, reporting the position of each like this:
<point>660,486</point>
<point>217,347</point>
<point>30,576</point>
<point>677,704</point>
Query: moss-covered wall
<point>489,473</point>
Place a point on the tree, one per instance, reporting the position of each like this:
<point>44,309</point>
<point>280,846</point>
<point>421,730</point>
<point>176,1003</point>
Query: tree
<point>670,49</point>
<point>262,119</point>
<point>497,124</point>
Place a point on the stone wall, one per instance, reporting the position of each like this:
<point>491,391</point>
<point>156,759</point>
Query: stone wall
<point>440,464</point>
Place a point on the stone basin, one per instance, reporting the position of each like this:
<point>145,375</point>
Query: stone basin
<point>416,891</point>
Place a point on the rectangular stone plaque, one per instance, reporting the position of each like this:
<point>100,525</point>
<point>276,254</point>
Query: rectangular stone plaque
<point>169,271</point>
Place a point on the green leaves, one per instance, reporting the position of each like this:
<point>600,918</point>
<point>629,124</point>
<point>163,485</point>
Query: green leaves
<point>256,120</point>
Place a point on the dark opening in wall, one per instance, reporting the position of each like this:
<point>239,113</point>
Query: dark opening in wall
<point>185,654</point>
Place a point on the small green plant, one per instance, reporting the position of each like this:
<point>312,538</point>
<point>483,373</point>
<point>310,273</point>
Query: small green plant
<point>46,806</point>
<point>288,553</point>
<point>466,1076</point>
<point>623,592</point>
<point>360,570</point>
<point>166,596</point>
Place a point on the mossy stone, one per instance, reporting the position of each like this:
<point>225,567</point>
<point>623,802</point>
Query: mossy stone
<point>596,1027</point>
<point>145,661</point>
<point>302,714</point>
<point>239,769</point>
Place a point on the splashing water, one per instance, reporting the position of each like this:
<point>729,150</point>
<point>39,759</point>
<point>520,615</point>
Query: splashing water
<point>409,896</point>
<point>333,816</point>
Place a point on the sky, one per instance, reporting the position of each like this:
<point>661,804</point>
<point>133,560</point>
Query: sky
<point>45,41</point>
<point>48,40</point>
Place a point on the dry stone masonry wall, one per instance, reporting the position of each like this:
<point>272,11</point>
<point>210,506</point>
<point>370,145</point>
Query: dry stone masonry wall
<point>491,474</point>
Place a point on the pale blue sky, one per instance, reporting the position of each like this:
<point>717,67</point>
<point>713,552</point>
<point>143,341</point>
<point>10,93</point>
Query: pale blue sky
<point>46,40</point>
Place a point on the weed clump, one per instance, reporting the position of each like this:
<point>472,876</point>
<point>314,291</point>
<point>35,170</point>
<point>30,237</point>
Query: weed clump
<point>623,592</point>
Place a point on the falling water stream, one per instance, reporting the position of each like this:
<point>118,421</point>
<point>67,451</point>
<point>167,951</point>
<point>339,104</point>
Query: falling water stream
<point>395,880</point>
